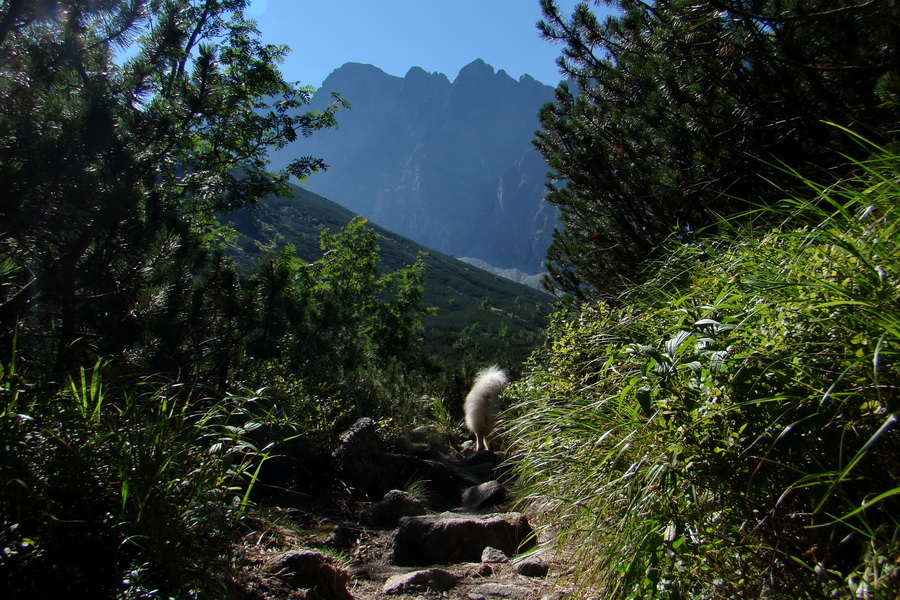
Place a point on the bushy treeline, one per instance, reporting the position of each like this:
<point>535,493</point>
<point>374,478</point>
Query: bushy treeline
<point>730,429</point>
<point>130,345</point>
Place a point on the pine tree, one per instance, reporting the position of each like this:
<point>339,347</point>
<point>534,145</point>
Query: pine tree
<point>677,111</point>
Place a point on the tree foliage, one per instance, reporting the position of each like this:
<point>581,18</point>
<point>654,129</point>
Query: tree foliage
<point>337,315</point>
<point>677,110</point>
<point>125,127</point>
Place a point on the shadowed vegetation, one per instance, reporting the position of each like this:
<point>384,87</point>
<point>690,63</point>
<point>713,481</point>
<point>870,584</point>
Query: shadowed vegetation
<point>730,430</point>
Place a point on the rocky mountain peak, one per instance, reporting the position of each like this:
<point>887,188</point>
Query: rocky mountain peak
<point>449,165</point>
<point>477,69</point>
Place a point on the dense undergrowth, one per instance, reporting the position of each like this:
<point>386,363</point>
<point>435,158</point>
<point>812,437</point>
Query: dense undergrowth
<point>110,490</point>
<point>730,428</point>
<point>119,488</point>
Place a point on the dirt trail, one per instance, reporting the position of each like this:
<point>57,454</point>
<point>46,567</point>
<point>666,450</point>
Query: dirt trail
<point>336,520</point>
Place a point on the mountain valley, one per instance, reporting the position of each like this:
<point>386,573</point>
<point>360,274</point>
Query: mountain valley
<point>479,314</point>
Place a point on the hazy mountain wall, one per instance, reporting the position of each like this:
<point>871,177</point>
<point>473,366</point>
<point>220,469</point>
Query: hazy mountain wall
<point>449,165</point>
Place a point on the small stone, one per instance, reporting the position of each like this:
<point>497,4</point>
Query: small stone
<point>493,555</point>
<point>437,580</point>
<point>396,504</point>
<point>490,493</point>
<point>468,447</point>
<point>341,538</point>
<point>531,567</point>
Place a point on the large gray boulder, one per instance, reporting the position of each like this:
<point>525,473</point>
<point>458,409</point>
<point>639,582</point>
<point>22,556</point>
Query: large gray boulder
<point>356,457</point>
<point>450,538</point>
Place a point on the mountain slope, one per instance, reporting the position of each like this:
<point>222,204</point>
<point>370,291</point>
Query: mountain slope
<point>449,165</point>
<point>478,313</point>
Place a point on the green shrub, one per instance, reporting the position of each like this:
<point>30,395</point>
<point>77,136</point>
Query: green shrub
<point>730,430</point>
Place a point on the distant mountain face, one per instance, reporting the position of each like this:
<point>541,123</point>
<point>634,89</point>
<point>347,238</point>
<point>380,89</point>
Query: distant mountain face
<point>449,165</point>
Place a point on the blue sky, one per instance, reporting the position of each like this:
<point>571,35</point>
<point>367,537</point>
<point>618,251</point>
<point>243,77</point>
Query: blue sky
<point>396,35</point>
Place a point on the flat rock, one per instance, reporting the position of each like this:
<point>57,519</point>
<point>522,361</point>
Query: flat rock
<point>491,591</point>
<point>437,580</point>
<point>450,538</point>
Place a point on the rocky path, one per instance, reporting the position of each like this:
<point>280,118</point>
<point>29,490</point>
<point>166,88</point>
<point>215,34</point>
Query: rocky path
<point>383,542</point>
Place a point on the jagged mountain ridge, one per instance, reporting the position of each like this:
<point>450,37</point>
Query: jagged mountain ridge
<point>448,164</point>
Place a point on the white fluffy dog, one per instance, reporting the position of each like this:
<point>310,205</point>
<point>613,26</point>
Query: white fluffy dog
<point>483,403</point>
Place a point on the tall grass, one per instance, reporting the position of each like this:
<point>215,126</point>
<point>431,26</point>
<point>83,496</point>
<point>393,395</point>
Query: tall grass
<point>731,429</point>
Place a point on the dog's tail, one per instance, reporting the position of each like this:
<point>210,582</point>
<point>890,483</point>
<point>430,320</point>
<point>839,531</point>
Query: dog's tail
<point>490,381</point>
